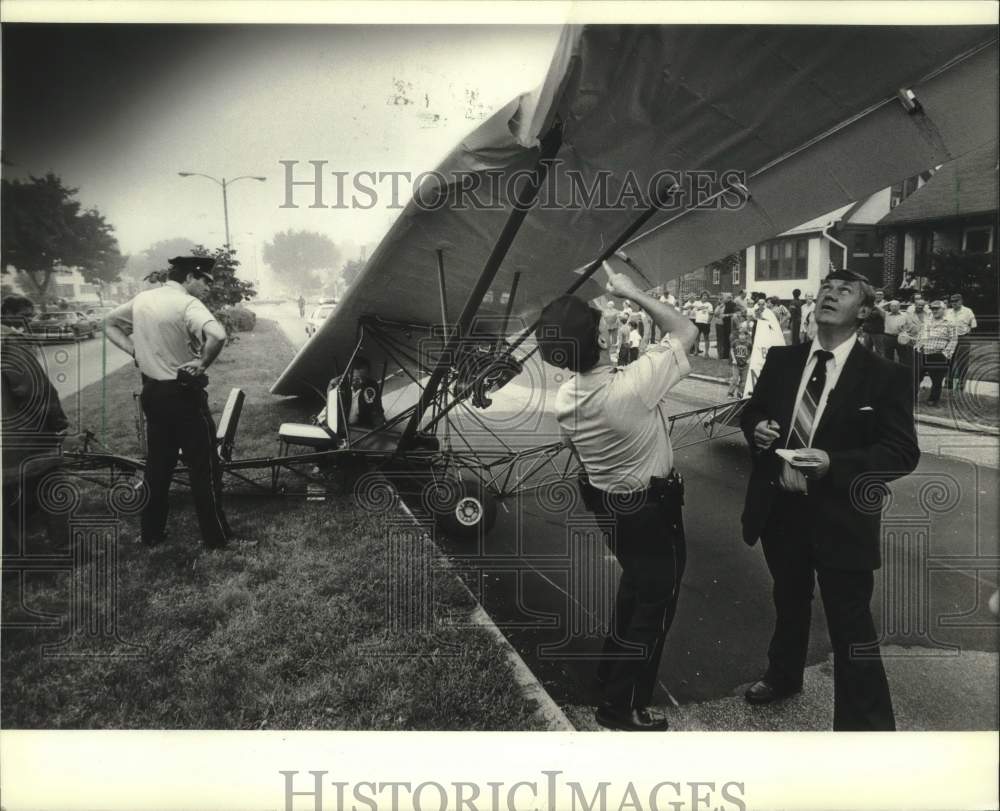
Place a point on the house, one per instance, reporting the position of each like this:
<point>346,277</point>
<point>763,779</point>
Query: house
<point>955,210</point>
<point>713,279</point>
<point>66,283</point>
<point>802,256</point>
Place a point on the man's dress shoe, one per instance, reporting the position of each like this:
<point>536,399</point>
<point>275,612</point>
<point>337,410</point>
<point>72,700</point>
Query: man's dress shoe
<point>631,720</point>
<point>763,692</point>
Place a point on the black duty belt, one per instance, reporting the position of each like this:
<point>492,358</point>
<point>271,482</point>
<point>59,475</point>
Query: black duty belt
<point>667,490</point>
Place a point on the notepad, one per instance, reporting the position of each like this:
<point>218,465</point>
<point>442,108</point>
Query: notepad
<point>793,458</point>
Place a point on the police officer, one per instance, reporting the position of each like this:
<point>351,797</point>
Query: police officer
<point>174,339</point>
<point>614,419</point>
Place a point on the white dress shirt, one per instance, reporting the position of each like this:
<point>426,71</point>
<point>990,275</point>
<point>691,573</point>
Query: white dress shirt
<point>963,319</point>
<point>834,366</point>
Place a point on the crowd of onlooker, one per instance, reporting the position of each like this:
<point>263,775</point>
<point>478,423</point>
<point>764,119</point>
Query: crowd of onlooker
<point>930,337</point>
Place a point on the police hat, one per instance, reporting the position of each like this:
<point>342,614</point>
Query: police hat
<point>566,329</point>
<point>200,265</point>
<point>846,275</point>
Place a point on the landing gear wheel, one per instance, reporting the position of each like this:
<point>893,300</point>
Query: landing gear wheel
<point>468,511</point>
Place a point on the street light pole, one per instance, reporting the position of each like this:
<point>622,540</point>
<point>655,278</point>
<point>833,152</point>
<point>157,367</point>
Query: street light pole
<point>224,184</point>
<point>225,210</point>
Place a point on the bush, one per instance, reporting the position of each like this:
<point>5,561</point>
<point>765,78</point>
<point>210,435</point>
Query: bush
<point>237,319</point>
<point>972,275</point>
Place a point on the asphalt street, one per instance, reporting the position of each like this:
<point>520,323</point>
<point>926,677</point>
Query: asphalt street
<point>73,365</point>
<point>546,579</point>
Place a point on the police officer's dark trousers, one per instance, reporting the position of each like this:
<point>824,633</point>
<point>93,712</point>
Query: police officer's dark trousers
<point>178,419</point>
<point>646,536</point>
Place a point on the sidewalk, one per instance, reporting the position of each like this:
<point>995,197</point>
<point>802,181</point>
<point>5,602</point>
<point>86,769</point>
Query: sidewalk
<point>940,435</point>
<point>929,692</point>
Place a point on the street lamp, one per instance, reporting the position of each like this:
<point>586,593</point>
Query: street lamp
<point>223,183</point>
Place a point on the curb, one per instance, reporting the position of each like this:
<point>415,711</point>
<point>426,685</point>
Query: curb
<point>531,688</point>
<point>959,425</point>
<point>940,422</point>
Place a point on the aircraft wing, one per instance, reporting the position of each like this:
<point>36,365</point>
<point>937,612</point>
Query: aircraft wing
<point>810,114</point>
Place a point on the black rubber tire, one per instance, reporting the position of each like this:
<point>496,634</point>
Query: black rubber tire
<point>470,514</point>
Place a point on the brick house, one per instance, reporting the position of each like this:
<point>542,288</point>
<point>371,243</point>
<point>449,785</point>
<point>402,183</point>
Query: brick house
<point>955,210</point>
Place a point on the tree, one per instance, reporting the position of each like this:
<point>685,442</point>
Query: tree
<point>226,291</point>
<point>296,256</point>
<point>352,269</point>
<point>44,229</point>
<point>156,255</point>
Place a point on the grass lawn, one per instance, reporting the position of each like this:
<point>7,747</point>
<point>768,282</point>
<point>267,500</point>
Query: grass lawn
<point>290,634</point>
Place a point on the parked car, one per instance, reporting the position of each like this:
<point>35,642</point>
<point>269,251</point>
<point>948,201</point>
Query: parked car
<point>319,315</point>
<point>98,314</point>
<point>62,326</point>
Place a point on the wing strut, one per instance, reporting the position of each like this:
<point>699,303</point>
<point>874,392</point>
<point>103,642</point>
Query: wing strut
<point>443,290</point>
<point>521,206</point>
<point>589,271</point>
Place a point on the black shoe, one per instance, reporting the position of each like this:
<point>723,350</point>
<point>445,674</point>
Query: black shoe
<point>637,719</point>
<point>763,692</point>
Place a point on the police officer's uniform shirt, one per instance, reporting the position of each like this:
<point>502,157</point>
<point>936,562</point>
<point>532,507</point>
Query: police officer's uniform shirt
<point>167,325</point>
<point>615,421</point>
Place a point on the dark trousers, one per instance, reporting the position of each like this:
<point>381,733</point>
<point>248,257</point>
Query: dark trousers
<point>861,699</point>
<point>722,339</point>
<point>935,366</point>
<point>178,419</point>
<point>648,544</point>
<point>23,511</point>
<point>796,328</point>
<point>959,369</point>
<point>901,353</point>
<point>875,341</point>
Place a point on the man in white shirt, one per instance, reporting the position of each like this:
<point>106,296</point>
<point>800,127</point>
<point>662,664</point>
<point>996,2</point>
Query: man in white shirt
<point>965,321</point>
<point>702,311</point>
<point>174,338</point>
<point>615,421</point>
<point>808,317</point>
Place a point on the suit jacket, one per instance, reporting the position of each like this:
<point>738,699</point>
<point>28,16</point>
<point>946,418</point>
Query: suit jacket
<point>867,430</point>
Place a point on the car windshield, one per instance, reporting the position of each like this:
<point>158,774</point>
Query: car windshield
<point>56,316</point>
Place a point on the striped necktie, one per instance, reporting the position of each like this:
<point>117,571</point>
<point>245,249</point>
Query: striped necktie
<point>805,414</point>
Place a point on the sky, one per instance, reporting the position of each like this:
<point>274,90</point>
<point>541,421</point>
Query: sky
<point>118,110</point>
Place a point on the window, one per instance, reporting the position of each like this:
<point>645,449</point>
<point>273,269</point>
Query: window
<point>64,290</point>
<point>782,259</point>
<point>736,276</point>
<point>802,259</point>
<point>978,239</point>
<point>761,273</point>
<point>715,276</point>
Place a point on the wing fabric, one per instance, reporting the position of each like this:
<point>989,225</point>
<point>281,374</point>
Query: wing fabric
<point>807,113</point>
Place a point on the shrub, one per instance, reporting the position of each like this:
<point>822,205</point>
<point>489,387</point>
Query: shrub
<point>237,319</point>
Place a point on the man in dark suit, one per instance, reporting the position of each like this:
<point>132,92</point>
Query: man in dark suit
<point>843,417</point>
